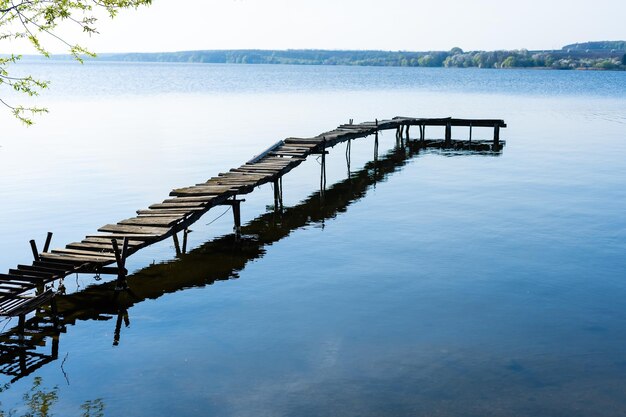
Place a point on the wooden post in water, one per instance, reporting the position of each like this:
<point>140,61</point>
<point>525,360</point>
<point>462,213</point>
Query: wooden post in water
<point>348,154</point>
<point>46,245</point>
<point>176,244</point>
<point>448,134</point>
<point>323,168</point>
<point>33,248</point>
<point>120,258</point>
<point>278,194</point>
<point>376,145</point>
<point>185,233</point>
<point>496,135</point>
<point>237,216</point>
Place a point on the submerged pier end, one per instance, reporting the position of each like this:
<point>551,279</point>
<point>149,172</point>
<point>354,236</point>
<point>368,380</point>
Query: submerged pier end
<point>28,287</point>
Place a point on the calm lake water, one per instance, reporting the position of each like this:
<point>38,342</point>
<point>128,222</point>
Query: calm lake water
<point>430,284</point>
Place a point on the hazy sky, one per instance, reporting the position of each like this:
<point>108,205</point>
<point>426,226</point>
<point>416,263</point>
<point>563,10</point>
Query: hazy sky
<point>171,25</point>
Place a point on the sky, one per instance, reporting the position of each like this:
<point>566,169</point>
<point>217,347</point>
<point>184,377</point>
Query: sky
<point>175,25</point>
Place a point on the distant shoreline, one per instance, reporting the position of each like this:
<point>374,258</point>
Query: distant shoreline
<point>597,56</point>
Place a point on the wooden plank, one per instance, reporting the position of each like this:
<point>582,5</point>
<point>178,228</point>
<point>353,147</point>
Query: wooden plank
<point>183,206</point>
<point>88,245</point>
<point>295,147</point>
<point>62,266</point>
<point>120,236</point>
<point>214,189</point>
<point>236,183</point>
<point>22,278</point>
<point>260,168</point>
<point>273,163</point>
<point>152,221</point>
<point>30,304</point>
<point>165,212</point>
<point>311,142</point>
<point>260,171</point>
<point>196,199</point>
<point>41,274</point>
<point>107,241</point>
<point>236,179</point>
<point>8,303</point>
<point>15,287</point>
<point>76,258</point>
<point>231,174</point>
<point>17,284</point>
<point>88,252</point>
<point>150,213</point>
<point>132,230</point>
<point>52,270</point>
<point>288,153</point>
<point>200,191</point>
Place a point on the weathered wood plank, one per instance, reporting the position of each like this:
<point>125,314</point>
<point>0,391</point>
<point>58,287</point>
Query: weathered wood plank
<point>89,252</point>
<point>23,278</point>
<point>51,269</point>
<point>187,206</point>
<point>165,212</point>
<point>88,245</point>
<point>196,199</point>
<point>312,142</point>
<point>32,273</point>
<point>76,258</point>
<point>16,284</point>
<point>107,240</point>
<point>152,221</point>
<point>215,189</point>
<point>203,191</point>
<point>61,266</point>
<point>130,230</point>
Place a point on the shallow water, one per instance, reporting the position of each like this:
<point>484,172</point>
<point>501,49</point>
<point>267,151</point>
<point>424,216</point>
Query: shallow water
<point>435,284</point>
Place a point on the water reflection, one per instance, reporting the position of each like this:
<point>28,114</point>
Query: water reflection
<point>22,353</point>
<point>40,400</point>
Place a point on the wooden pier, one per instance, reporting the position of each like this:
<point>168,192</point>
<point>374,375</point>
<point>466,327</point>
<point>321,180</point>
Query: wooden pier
<point>27,287</point>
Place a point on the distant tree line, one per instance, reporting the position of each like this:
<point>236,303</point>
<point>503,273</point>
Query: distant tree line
<point>592,55</point>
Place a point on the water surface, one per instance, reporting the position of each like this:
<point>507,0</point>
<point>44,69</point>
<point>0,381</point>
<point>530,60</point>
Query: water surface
<point>452,285</point>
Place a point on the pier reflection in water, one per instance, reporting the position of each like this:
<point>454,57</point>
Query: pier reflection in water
<point>35,343</point>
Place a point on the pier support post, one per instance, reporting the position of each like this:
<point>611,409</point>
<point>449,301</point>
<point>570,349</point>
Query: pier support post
<point>176,244</point>
<point>237,216</point>
<point>407,131</point>
<point>120,258</point>
<point>422,132</point>
<point>496,136</point>
<point>33,248</point>
<point>46,245</point>
<point>323,167</point>
<point>376,142</point>
<point>448,134</point>
<point>236,205</point>
<point>348,154</point>
<point>185,233</point>
<point>278,194</point>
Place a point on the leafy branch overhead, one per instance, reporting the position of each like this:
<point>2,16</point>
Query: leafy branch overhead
<point>37,22</point>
